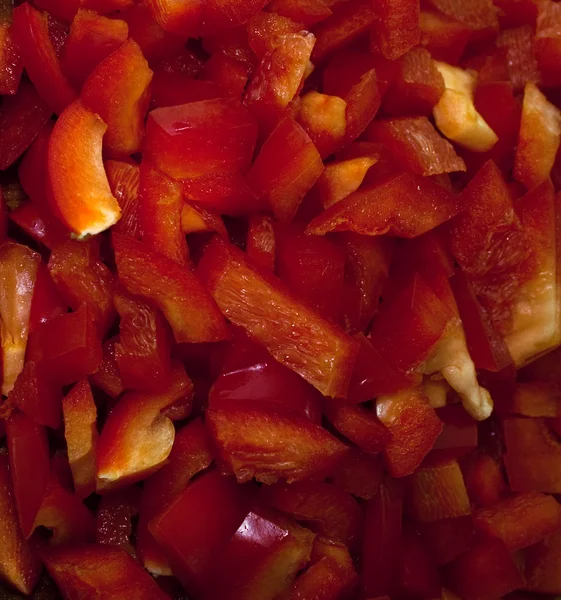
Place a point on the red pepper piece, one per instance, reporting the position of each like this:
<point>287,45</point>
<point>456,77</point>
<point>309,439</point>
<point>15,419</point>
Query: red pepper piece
<point>521,59</point>
<point>251,374</point>
<point>91,40</point>
<point>265,31</point>
<point>3,217</point>
<point>406,205</point>
<point>536,399</point>
<point>328,510</point>
<point>191,453</point>
<point>102,570</point>
<point>143,352</point>
<point>160,205</point>
<point>28,449</point>
<point>278,78</point>
<point>124,180</point>
<point>224,268</point>
<point>251,442</point>
<point>37,396</point>
<point>180,19</point>
<point>176,291</point>
<point>444,37</point>
<point>358,424</point>
<point>172,89</point>
<point>107,376</point>
<point>21,119</point>
<point>438,492</point>
<point>547,45</point>
<point>414,427</point>
<point>359,474</point>
<point>82,278</point>
<point>480,16</point>
<point>114,518</point>
<point>396,29</point>
<point>11,65</point>
<point>516,13</point>
<point>69,346</point>
<point>521,520</point>
<point>458,436</point>
<point>381,541</point>
<point>416,145</point>
<point>417,87</point>
<point>120,100</point>
<point>445,540</point>
<point>307,12</point>
<point>176,137</point>
<point>264,543</point>
<point>541,568</point>
<point>313,268</point>
<point>18,565</point>
<point>228,73</point>
<point>46,303</point>
<point>417,575</point>
<point>220,505</point>
<point>348,22</point>
<point>41,63</point>
<point>532,456</point>
<point>286,168</point>
<point>19,266</point>
<point>137,437</point>
<point>261,241</point>
<point>30,220</point>
<point>80,432</point>
<point>484,480</point>
<point>154,42</point>
<point>363,101</point>
<point>198,219</point>
<point>485,572</point>
<point>332,575</point>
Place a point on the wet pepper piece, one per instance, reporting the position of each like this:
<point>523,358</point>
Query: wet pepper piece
<point>542,574</point>
<point>21,119</point>
<point>107,376</point>
<point>484,478</point>
<point>18,273</point>
<point>41,63</point>
<point>80,432</point>
<point>547,43</point>
<point>81,193</point>
<point>480,16</point>
<point>265,31</point>
<point>11,65</point>
<point>82,278</point>
<point>181,19</point>
<point>191,312</point>
<point>114,518</point>
<point>101,570</point>
<point>447,539</point>
<point>262,558</point>
<point>92,38</point>
<point>118,91</point>
<point>47,303</point>
<point>220,505</point>
<point>160,205</point>
<point>242,292</point>
<point>308,12</point>
<point>444,37</point>
<point>143,352</point>
<point>176,136</point>
<point>124,180</point>
<point>359,474</point>
<point>191,453</point>
<point>285,169</point>
<point>238,433</point>
<point>261,241</point>
<point>405,205</point>
<point>458,436</point>
<point>251,374</point>
<point>397,28</point>
<point>28,449</point>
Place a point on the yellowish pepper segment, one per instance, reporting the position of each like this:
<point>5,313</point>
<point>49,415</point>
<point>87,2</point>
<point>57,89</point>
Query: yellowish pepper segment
<point>455,114</point>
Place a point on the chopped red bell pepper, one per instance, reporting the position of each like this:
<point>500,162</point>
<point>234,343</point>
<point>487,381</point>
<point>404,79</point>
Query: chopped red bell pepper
<point>80,431</point>
<point>18,565</point>
<point>520,56</point>
<point>445,540</point>
<point>92,38</point>
<point>541,566</point>
<point>183,19</point>
<point>286,168</point>
<point>199,219</point>
<point>444,37</point>
<point>479,15</point>
<point>359,474</point>
<point>261,242</point>
<point>228,73</point>
<point>31,31</point>
<point>114,518</point>
<point>200,138</point>
<point>11,64</point>
<point>143,352</point>
<point>323,354</point>
<point>459,434</point>
<point>546,42</point>
<point>265,31</point>
<point>47,303</point>
<point>191,453</point>
<point>406,205</point>
<point>124,180</point>
<point>107,376</point>
<point>414,427</point>
<point>176,291</point>
<point>484,478</point>
<point>82,278</point>
<point>416,145</point>
<point>172,89</point>
<point>307,12</point>
<point>101,570</point>
<point>28,449</point>
<point>396,29</point>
